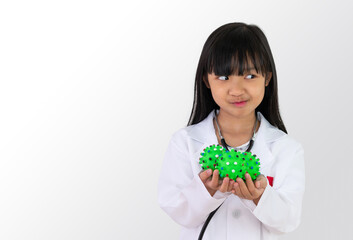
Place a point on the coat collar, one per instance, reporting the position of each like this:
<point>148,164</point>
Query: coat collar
<point>204,132</point>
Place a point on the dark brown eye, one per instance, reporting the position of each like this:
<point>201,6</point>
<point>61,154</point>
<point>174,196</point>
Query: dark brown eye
<point>223,78</point>
<point>251,76</point>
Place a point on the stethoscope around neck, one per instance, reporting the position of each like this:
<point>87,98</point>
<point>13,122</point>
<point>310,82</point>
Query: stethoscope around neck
<point>225,145</point>
<point>223,141</point>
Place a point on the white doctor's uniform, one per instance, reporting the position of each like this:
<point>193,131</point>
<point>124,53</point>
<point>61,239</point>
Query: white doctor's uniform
<point>182,195</point>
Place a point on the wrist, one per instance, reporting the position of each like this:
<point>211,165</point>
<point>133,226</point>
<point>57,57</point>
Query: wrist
<point>211,191</point>
<point>256,200</point>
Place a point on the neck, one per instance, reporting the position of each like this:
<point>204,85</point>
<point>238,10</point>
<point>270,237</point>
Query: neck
<point>234,125</point>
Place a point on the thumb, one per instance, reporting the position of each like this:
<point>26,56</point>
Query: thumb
<point>205,175</point>
<point>261,181</point>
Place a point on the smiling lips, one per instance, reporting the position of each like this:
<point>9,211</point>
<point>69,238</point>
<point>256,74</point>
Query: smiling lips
<point>240,104</point>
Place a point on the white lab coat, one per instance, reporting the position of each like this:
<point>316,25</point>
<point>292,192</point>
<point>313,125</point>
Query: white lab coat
<point>182,195</point>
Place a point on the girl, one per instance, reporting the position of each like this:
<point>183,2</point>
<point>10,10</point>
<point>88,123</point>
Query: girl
<point>235,105</point>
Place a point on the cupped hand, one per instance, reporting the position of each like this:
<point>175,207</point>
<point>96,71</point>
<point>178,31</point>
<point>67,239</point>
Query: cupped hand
<point>250,190</point>
<point>213,183</point>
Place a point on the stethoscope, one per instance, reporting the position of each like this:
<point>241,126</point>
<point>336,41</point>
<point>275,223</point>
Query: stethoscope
<point>225,145</point>
<point>223,142</point>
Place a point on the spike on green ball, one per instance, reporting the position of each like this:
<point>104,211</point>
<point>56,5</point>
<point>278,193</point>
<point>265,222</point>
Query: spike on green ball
<point>232,165</point>
<point>209,157</point>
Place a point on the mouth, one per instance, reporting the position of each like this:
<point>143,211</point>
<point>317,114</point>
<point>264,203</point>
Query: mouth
<point>240,103</point>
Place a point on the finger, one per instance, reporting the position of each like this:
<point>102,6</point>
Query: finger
<point>230,185</point>
<point>243,188</point>
<point>250,185</point>
<point>259,184</point>
<point>260,177</point>
<point>224,186</point>
<point>205,175</point>
<point>236,190</point>
<point>261,181</point>
<point>214,182</point>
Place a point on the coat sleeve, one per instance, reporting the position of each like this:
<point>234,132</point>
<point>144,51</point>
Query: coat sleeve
<point>181,193</point>
<point>279,208</point>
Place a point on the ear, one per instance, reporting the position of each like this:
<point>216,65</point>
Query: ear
<point>206,82</point>
<point>268,78</point>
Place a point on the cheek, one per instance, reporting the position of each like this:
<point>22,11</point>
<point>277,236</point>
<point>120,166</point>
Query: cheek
<point>217,95</point>
<point>262,92</point>
<point>217,92</point>
<point>258,93</point>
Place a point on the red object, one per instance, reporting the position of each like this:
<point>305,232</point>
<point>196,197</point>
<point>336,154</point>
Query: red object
<point>270,180</point>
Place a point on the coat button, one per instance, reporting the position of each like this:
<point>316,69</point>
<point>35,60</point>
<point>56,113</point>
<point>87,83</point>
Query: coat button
<point>236,213</point>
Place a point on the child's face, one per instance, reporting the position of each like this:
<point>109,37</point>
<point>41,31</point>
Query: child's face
<point>238,95</point>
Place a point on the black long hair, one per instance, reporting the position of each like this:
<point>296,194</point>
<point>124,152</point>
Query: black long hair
<point>227,51</point>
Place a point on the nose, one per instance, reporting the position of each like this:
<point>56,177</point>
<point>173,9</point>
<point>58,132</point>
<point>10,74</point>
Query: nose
<point>236,87</point>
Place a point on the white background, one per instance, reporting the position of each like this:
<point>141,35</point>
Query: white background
<point>91,92</point>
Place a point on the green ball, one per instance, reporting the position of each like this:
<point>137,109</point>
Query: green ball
<point>209,156</point>
<point>232,164</point>
<point>253,165</point>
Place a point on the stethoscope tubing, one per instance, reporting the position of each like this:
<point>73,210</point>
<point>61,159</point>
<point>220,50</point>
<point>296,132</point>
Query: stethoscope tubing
<point>223,141</point>
<point>225,145</point>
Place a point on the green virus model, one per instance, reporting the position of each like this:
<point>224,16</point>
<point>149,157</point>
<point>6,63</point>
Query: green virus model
<point>231,163</point>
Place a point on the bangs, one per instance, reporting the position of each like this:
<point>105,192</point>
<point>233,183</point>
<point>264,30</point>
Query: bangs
<point>236,53</point>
